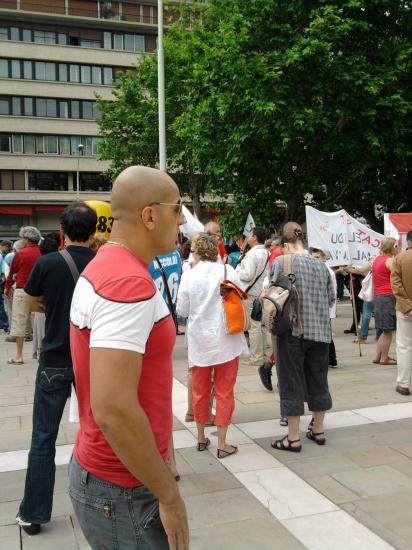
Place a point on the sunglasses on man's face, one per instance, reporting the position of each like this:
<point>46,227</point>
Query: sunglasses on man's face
<point>179,205</point>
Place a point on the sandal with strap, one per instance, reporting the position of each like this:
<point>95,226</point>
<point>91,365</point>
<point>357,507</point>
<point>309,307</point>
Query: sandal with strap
<point>311,423</point>
<point>202,446</point>
<point>221,453</point>
<point>279,444</point>
<point>284,421</point>
<point>310,434</point>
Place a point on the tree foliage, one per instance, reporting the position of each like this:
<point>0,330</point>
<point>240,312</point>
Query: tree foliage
<point>278,100</point>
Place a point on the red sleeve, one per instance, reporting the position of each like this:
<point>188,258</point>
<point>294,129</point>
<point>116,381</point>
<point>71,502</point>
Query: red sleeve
<point>15,264</point>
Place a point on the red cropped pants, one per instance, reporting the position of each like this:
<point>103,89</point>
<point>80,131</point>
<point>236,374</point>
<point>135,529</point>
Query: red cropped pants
<point>224,379</point>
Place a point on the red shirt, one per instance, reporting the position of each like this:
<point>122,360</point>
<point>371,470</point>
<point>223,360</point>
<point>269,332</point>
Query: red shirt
<point>275,254</point>
<point>22,264</point>
<point>381,277</point>
<point>116,305</point>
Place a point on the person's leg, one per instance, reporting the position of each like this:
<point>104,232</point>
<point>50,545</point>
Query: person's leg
<point>404,349</point>
<point>225,379</point>
<point>201,386</point>
<point>19,348</point>
<point>52,389</point>
<point>382,346</point>
<point>333,362</point>
<point>19,321</point>
<point>4,320</point>
<point>367,312</point>
<point>189,413</point>
<point>256,341</point>
<point>316,375</point>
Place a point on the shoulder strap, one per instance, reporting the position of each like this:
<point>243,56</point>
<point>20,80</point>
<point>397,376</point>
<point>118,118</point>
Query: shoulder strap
<point>287,264</point>
<point>258,277</point>
<point>71,264</point>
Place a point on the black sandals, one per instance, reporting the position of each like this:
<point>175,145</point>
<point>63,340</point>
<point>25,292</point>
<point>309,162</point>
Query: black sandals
<point>279,445</point>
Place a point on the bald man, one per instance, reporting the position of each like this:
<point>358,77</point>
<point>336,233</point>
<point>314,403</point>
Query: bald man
<point>122,338</point>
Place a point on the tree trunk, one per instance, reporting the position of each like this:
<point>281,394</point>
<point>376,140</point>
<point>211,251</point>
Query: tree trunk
<point>194,192</point>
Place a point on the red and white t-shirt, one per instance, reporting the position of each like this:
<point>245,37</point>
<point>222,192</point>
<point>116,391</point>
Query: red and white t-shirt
<point>116,305</point>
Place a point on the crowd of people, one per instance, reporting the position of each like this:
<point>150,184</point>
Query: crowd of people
<point>111,332</point>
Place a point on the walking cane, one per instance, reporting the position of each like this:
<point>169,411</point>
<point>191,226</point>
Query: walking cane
<point>352,292</point>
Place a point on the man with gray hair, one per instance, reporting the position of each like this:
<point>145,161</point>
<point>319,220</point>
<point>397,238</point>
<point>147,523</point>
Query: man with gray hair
<point>20,270</point>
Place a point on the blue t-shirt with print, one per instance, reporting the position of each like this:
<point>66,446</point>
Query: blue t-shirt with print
<point>172,265</point>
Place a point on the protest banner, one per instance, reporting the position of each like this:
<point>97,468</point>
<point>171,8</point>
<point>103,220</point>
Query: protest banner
<point>397,226</point>
<point>345,240</point>
<point>249,225</point>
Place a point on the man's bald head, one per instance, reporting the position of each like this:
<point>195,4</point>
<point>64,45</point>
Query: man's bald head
<point>137,187</point>
<point>212,228</point>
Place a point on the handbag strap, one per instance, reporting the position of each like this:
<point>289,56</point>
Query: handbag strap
<point>258,277</point>
<point>71,264</point>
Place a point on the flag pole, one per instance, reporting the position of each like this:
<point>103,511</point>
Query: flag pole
<point>161,87</point>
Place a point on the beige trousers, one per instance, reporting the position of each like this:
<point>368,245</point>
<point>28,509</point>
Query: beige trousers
<point>404,349</point>
<point>258,337</point>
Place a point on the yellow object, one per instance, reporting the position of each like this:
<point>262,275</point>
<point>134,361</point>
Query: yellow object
<point>104,217</point>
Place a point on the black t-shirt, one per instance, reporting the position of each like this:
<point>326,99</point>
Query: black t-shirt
<point>52,279</point>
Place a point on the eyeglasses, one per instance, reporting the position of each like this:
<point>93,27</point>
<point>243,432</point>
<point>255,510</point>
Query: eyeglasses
<point>179,204</point>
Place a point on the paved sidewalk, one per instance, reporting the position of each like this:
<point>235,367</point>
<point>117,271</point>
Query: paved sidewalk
<point>353,493</point>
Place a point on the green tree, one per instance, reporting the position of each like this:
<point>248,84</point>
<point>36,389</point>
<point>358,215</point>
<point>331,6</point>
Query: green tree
<point>276,100</point>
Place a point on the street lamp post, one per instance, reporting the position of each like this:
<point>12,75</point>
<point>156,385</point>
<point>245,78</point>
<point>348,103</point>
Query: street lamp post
<point>161,87</point>
<point>80,149</point>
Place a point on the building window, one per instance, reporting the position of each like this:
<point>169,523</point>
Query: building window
<point>75,109</point>
<point>15,68</point>
<point>117,41</point>
<point>87,109</point>
<point>4,68</point>
<point>134,43</point>
<point>28,106</point>
<point>107,40</point>
<point>17,143</point>
<point>14,34</point>
<point>16,106</point>
<point>4,33</point>
<point>29,145</point>
<point>62,72</point>
<point>64,145</point>
<point>27,35</point>
<point>62,39</point>
<point>90,44</point>
<point>50,71</point>
<point>74,73</point>
<point>5,144</point>
<point>107,75</point>
<point>63,109</point>
<point>94,182</point>
<point>86,75</point>
<point>40,70</point>
<point>96,75</point>
<point>51,108</point>
<point>28,70</point>
<point>4,106</point>
<point>48,181</point>
<point>12,180</point>
<point>44,37</point>
<point>50,145</point>
<point>40,107</point>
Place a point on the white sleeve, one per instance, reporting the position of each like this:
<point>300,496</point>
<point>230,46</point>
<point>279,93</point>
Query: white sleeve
<point>247,268</point>
<point>233,276</point>
<point>183,301</point>
<point>124,326</point>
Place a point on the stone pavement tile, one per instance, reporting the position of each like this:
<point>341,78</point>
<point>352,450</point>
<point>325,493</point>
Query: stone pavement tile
<point>321,465</point>
<point>12,483</point>
<point>12,423</point>
<point>177,425</point>
<point>404,448</point>
<point>379,480</point>
<point>211,509</point>
<point>388,516</point>
<point>187,488</point>
<point>182,465</point>
<point>376,456</point>
<point>255,397</point>
<point>334,531</point>
<point>253,386</point>
<point>13,400</point>
<point>201,462</point>
<point>56,535</point>
<point>259,534</point>
<point>10,537</point>
<point>19,440</point>
<point>403,467</point>
<point>250,457</point>
<point>331,489</point>
<point>16,410</point>
<point>215,481</point>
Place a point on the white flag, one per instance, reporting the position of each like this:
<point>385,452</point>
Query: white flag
<point>192,226</point>
<point>389,229</point>
<point>249,225</point>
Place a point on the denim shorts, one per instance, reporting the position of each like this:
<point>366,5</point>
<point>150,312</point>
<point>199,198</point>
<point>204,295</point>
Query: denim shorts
<point>115,518</point>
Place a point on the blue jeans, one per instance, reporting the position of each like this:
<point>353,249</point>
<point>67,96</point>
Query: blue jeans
<point>52,389</point>
<point>367,312</point>
<point>4,320</point>
<point>115,518</point>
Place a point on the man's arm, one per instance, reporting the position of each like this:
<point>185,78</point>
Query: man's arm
<point>35,303</point>
<point>403,301</point>
<point>15,264</point>
<point>114,378</point>
<point>247,269</point>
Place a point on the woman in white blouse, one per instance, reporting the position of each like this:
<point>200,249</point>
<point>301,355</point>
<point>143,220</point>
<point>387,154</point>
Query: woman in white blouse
<point>209,347</point>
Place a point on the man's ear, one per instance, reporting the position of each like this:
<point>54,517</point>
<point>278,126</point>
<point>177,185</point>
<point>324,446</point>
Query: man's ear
<point>148,218</point>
